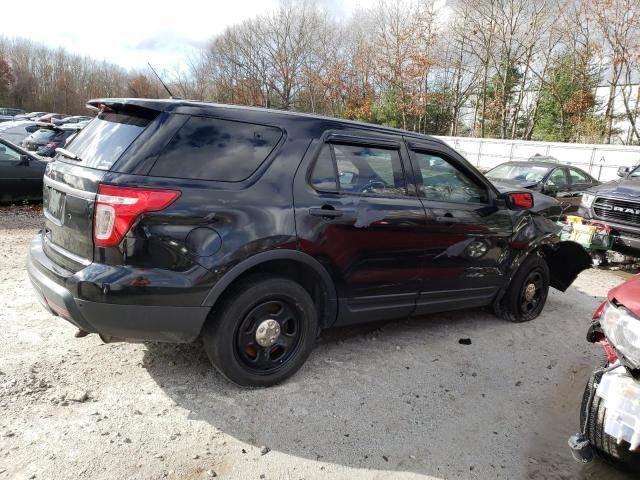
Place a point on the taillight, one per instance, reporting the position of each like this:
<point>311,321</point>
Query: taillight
<point>118,207</point>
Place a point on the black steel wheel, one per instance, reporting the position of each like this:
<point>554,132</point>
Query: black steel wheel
<point>262,332</point>
<point>527,292</point>
<point>268,336</point>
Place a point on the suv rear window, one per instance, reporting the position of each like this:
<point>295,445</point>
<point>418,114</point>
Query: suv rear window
<point>213,149</point>
<point>103,140</point>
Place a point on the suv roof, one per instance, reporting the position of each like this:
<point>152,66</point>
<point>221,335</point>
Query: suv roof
<point>172,105</point>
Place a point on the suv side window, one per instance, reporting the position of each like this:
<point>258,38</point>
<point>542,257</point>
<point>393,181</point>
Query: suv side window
<point>213,149</point>
<point>323,176</point>
<point>577,176</point>
<point>443,182</point>
<point>358,169</point>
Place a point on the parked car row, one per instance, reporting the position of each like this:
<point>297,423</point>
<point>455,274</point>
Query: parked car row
<point>25,146</point>
<point>15,114</point>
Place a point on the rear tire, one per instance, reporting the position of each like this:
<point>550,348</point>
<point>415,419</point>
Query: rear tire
<point>262,332</point>
<point>527,293</point>
<point>606,447</point>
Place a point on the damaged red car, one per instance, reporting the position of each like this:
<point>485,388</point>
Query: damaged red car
<point>610,412</point>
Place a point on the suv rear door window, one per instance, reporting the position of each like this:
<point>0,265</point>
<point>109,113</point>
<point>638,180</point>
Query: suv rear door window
<point>360,170</point>
<point>103,140</point>
<point>213,149</point>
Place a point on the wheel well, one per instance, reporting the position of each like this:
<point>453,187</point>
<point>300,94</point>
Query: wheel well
<point>300,273</point>
<point>565,260</point>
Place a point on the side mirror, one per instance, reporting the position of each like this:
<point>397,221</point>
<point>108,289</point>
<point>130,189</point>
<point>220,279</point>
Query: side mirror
<point>622,171</point>
<point>518,200</point>
<point>24,160</point>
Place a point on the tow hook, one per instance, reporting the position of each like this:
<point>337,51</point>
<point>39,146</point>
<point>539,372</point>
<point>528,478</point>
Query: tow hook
<point>580,448</point>
<point>80,333</point>
<point>579,444</point>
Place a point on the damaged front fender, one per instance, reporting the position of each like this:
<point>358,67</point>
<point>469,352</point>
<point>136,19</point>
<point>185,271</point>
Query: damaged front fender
<point>566,259</point>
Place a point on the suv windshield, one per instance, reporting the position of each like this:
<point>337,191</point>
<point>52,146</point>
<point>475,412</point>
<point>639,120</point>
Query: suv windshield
<point>522,173</point>
<point>103,140</point>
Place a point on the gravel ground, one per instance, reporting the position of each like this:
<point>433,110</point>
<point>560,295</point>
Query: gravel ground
<point>397,400</point>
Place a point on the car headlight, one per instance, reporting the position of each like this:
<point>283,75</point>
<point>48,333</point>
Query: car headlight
<point>622,329</point>
<point>587,200</point>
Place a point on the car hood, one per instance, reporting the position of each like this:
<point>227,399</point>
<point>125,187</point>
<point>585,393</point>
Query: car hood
<point>625,187</point>
<point>628,294</point>
<point>514,183</point>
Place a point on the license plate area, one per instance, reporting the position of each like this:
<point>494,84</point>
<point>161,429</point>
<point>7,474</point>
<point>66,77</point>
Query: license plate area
<point>54,203</point>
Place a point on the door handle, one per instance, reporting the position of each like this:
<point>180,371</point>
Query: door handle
<point>326,211</point>
<point>448,218</point>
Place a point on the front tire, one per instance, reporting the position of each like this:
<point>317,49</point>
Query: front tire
<point>605,445</point>
<point>262,332</point>
<point>527,293</point>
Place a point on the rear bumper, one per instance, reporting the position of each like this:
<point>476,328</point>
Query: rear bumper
<point>111,320</point>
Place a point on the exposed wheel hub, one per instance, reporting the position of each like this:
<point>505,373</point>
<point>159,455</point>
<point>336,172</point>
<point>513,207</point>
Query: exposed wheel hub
<point>267,333</point>
<point>530,292</point>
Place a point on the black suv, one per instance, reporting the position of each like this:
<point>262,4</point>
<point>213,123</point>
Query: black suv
<point>254,229</point>
<point>617,204</point>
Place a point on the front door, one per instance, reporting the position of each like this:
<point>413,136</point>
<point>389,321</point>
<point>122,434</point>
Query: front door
<point>466,235</point>
<point>358,213</point>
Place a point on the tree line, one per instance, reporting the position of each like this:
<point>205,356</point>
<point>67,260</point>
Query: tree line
<point>514,69</point>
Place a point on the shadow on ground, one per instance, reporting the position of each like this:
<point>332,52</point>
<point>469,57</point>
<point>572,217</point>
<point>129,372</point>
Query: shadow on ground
<point>403,396</point>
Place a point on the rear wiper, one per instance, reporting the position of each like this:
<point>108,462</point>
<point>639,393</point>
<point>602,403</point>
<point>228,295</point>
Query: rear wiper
<point>66,153</point>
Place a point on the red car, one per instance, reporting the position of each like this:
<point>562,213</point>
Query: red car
<point>50,116</point>
<point>610,413</point>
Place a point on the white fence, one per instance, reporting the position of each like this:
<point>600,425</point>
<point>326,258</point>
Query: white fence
<point>601,161</point>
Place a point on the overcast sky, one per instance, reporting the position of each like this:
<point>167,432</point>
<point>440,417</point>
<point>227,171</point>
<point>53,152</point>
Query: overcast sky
<point>133,32</point>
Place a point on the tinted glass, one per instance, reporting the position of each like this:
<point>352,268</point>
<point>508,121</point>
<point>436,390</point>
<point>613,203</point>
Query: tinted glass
<point>557,178</point>
<point>578,177</point>
<point>8,156</point>
<point>102,141</point>
<point>324,175</point>
<point>369,170</point>
<point>213,149</point>
<point>445,183</point>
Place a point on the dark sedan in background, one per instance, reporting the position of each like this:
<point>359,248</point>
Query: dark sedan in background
<point>44,141</point>
<point>564,182</point>
<point>21,174</point>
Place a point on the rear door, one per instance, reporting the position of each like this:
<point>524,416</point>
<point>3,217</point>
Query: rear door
<point>70,185</point>
<point>357,213</point>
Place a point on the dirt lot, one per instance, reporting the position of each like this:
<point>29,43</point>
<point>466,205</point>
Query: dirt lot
<point>395,400</point>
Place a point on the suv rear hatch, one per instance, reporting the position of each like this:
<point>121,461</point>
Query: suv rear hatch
<point>71,183</point>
